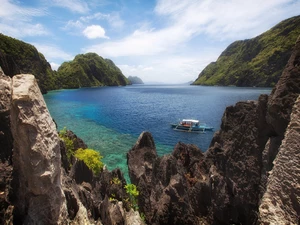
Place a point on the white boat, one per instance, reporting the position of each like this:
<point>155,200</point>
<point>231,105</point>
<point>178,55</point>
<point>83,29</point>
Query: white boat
<point>190,125</point>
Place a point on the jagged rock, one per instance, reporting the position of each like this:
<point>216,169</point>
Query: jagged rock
<point>5,179</point>
<point>285,94</point>
<point>81,173</point>
<point>281,201</point>
<point>6,143</point>
<point>6,139</point>
<point>225,184</point>
<point>113,213</point>
<point>140,158</point>
<point>236,156</point>
<point>36,190</point>
<point>36,159</point>
<point>166,183</point>
<point>78,142</point>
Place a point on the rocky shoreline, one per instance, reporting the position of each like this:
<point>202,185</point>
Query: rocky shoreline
<point>249,175</point>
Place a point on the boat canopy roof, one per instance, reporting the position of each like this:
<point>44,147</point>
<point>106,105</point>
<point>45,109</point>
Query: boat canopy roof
<point>190,121</point>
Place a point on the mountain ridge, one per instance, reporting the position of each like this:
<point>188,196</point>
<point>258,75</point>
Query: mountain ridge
<point>254,62</point>
<point>19,57</point>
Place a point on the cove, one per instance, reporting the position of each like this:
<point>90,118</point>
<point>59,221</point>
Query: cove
<point>110,119</point>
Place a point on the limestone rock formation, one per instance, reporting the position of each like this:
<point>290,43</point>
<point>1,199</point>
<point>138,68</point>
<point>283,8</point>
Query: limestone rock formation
<point>236,179</point>
<point>5,105</point>
<point>36,156</point>
<point>249,174</point>
<point>39,184</point>
<point>168,194</point>
<point>281,201</point>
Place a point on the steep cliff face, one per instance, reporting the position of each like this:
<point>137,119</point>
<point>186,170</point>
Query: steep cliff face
<point>230,182</point>
<point>39,184</point>
<point>19,57</point>
<point>281,201</point>
<point>255,62</point>
<point>36,156</point>
<point>90,69</point>
<point>6,146</point>
<point>5,105</point>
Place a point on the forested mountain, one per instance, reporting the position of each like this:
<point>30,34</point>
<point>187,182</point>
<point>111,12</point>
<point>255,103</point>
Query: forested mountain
<point>254,62</point>
<point>90,69</point>
<point>19,57</point>
<point>135,80</point>
<point>85,70</point>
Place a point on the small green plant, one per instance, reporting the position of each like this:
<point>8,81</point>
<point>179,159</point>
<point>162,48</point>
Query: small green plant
<point>133,194</point>
<point>112,198</point>
<point>91,158</point>
<point>143,217</point>
<point>68,142</point>
<point>115,180</point>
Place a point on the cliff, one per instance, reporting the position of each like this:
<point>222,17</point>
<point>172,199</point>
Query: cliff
<point>249,174</point>
<point>84,71</point>
<point>19,57</point>
<point>255,62</point>
<point>39,184</point>
<point>90,69</point>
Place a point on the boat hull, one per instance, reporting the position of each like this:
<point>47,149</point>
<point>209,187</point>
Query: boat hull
<point>194,128</point>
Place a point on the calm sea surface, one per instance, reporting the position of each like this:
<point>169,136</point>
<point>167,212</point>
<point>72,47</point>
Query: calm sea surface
<point>110,119</point>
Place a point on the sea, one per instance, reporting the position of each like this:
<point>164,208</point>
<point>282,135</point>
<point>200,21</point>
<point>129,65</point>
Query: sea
<point>110,119</point>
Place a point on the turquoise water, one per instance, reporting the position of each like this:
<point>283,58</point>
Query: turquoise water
<point>110,119</point>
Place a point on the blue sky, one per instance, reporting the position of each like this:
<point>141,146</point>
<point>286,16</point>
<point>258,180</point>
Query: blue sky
<point>168,41</point>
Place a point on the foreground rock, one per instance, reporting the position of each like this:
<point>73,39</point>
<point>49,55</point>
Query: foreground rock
<point>230,182</point>
<point>39,184</point>
<point>36,159</point>
<point>281,201</point>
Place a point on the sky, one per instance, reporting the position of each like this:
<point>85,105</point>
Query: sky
<point>167,41</point>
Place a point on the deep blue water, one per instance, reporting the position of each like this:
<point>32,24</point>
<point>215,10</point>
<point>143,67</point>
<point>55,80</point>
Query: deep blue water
<point>110,119</point>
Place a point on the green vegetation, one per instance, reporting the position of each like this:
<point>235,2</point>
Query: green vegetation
<point>19,57</point>
<point>116,180</point>
<point>255,62</point>
<point>133,194</point>
<point>68,142</point>
<point>90,69</point>
<point>86,70</point>
<point>135,80</point>
<point>91,158</point>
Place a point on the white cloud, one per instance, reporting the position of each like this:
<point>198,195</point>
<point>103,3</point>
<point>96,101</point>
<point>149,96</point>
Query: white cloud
<point>226,19</point>
<point>53,52</point>
<point>75,27</point>
<point>142,42</point>
<point>21,29</point>
<point>77,6</point>
<point>73,24</point>
<point>9,10</point>
<point>169,68</point>
<point>112,18</point>
<point>16,21</point>
<point>219,20</point>
<point>54,65</point>
<point>94,31</point>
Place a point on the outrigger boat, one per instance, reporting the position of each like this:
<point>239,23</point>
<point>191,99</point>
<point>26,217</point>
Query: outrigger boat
<point>191,125</point>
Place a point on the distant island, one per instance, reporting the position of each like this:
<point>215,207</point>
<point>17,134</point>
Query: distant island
<point>135,80</point>
<point>88,70</point>
<point>85,70</point>
<point>255,62</point>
